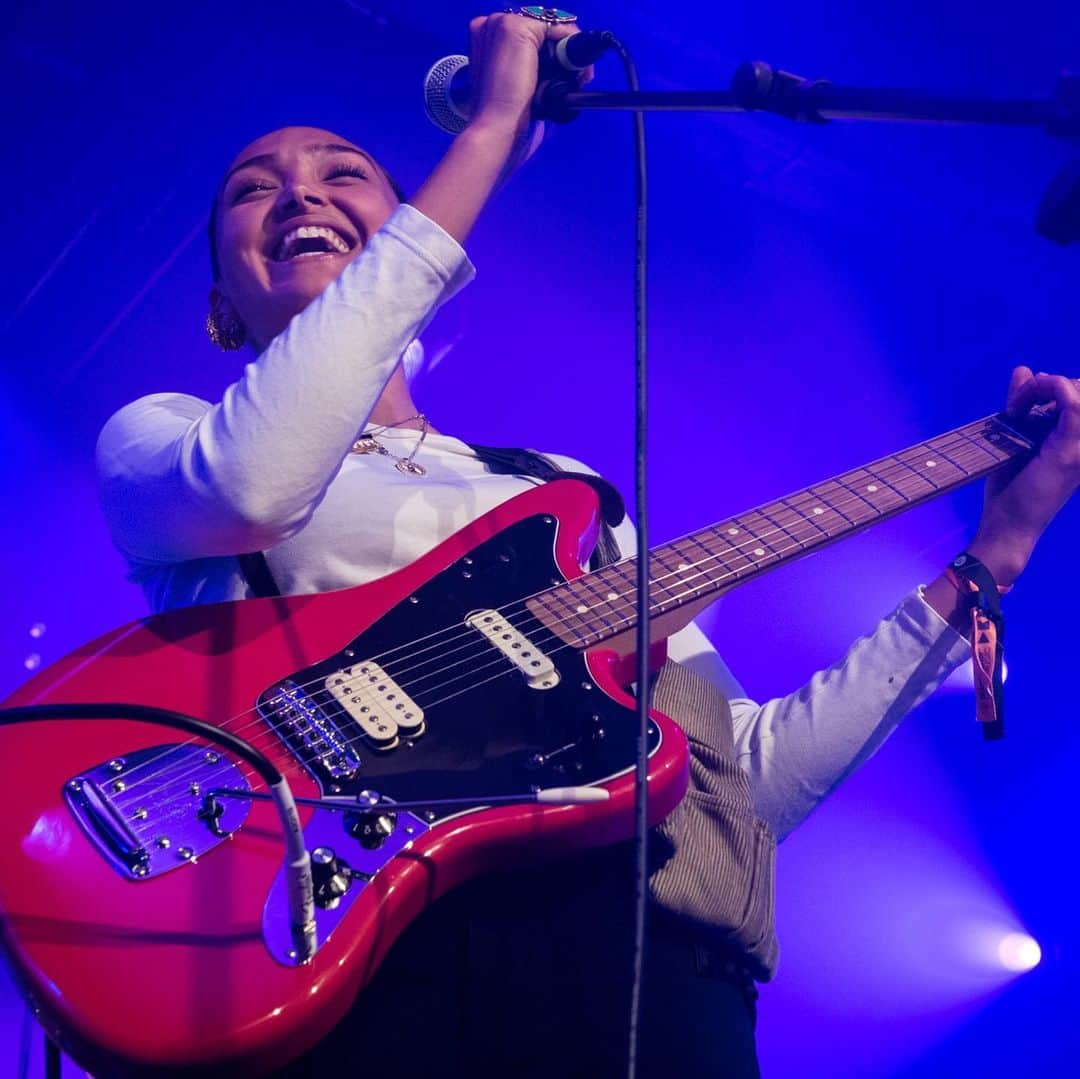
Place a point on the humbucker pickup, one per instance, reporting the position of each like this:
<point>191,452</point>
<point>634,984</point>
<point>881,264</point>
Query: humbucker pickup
<point>381,708</point>
<point>539,671</point>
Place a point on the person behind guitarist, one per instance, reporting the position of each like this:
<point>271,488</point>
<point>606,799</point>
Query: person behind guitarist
<point>329,276</point>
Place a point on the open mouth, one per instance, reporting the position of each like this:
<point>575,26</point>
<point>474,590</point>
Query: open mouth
<point>310,241</point>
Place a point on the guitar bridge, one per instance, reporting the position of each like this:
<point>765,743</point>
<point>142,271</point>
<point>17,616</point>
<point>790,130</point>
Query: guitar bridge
<point>297,717</point>
<point>143,812</point>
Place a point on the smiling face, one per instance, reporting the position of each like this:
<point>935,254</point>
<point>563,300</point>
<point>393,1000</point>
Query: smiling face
<point>295,207</point>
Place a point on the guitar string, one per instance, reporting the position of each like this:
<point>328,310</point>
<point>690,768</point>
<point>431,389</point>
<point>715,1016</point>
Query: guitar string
<point>496,661</point>
<point>499,661</point>
<point>273,730</point>
<point>731,549</point>
<point>737,550</point>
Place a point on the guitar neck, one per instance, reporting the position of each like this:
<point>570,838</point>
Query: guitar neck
<point>694,569</point>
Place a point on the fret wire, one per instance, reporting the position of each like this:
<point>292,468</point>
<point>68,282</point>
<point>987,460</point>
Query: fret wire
<point>757,535</point>
<point>745,526</point>
<point>921,450</point>
<point>892,487</point>
<point>830,486</point>
<point>740,552</point>
<point>558,616</point>
<point>733,550</point>
<point>947,454</point>
<point>963,438</point>
<point>711,554</point>
<point>1003,429</point>
<point>660,579</point>
<point>575,595</point>
<point>625,574</point>
<point>626,595</point>
<point>541,598</point>
<point>806,519</point>
<point>958,454</point>
<point>626,571</point>
<point>966,460</point>
<point>849,484</point>
<point>770,513</point>
<point>694,565</point>
<point>710,540</point>
<point>802,517</point>
<point>984,448</point>
<point>593,587</point>
<point>907,461</point>
<point>867,480</point>
<point>811,503</point>
<point>911,457</point>
<point>917,474</point>
<point>821,498</point>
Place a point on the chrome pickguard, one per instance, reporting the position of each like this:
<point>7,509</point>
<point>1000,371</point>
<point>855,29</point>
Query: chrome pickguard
<point>326,830</point>
<point>144,811</point>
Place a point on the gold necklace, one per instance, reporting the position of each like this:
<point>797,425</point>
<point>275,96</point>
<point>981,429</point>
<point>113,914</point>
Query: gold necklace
<point>368,443</point>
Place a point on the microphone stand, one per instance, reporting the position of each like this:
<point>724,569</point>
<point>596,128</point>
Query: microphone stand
<point>757,87</point>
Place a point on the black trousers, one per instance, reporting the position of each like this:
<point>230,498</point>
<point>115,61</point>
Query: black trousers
<point>528,974</point>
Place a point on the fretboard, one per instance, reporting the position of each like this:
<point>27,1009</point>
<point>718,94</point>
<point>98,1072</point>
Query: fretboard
<point>602,605</point>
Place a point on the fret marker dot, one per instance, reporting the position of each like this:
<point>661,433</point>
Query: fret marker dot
<point>871,487</point>
<point>931,464</point>
<point>684,565</point>
<point>818,511</point>
<point>732,531</point>
<point>613,595</point>
<point>582,609</point>
<point>759,551</point>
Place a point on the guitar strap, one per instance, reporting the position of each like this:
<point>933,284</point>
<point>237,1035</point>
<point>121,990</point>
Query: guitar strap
<point>256,572</point>
<point>503,461</point>
<point>518,462</point>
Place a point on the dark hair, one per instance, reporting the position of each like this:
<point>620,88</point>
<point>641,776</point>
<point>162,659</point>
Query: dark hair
<point>211,225</point>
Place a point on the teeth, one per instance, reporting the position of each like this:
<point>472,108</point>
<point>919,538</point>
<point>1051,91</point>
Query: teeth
<point>288,242</point>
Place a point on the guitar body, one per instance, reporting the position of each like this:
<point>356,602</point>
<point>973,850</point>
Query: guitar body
<point>178,959</point>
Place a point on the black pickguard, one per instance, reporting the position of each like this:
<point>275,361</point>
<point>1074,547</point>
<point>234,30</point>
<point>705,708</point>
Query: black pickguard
<point>489,735</point>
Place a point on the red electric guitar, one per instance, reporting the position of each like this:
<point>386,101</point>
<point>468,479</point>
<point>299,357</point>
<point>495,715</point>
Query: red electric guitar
<point>146,917</point>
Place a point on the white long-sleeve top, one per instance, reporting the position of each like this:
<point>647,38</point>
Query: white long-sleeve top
<point>186,485</point>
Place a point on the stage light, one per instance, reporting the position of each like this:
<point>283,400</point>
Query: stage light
<point>1018,952</point>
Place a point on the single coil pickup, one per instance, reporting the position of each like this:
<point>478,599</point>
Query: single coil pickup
<point>382,710</point>
<point>539,671</point>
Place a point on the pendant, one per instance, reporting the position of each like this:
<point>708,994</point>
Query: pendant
<point>409,468</point>
<point>365,444</point>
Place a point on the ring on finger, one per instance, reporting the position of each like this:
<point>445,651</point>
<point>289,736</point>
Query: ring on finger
<point>553,16</point>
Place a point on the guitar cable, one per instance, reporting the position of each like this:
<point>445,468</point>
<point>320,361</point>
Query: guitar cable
<point>641,414</point>
<point>300,888</point>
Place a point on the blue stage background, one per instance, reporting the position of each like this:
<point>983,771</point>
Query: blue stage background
<point>820,296</point>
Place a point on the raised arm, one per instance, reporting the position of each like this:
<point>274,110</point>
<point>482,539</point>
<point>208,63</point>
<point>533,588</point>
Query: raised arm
<point>181,479</point>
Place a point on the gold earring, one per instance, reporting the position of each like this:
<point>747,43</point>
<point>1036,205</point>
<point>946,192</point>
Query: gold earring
<point>225,329</point>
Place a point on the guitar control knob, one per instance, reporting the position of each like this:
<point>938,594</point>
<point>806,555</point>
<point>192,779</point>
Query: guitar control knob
<point>330,876</point>
<point>371,829</point>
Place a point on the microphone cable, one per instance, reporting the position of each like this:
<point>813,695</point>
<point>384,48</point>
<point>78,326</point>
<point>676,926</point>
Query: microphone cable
<point>641,512</point>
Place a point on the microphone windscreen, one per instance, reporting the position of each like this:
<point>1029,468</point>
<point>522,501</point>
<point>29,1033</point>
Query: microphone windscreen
<point>444,103</point>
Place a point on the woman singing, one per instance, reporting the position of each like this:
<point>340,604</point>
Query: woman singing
<point>318,462</point>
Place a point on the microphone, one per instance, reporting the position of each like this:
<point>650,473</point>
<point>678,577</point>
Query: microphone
<point>448,86</point>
